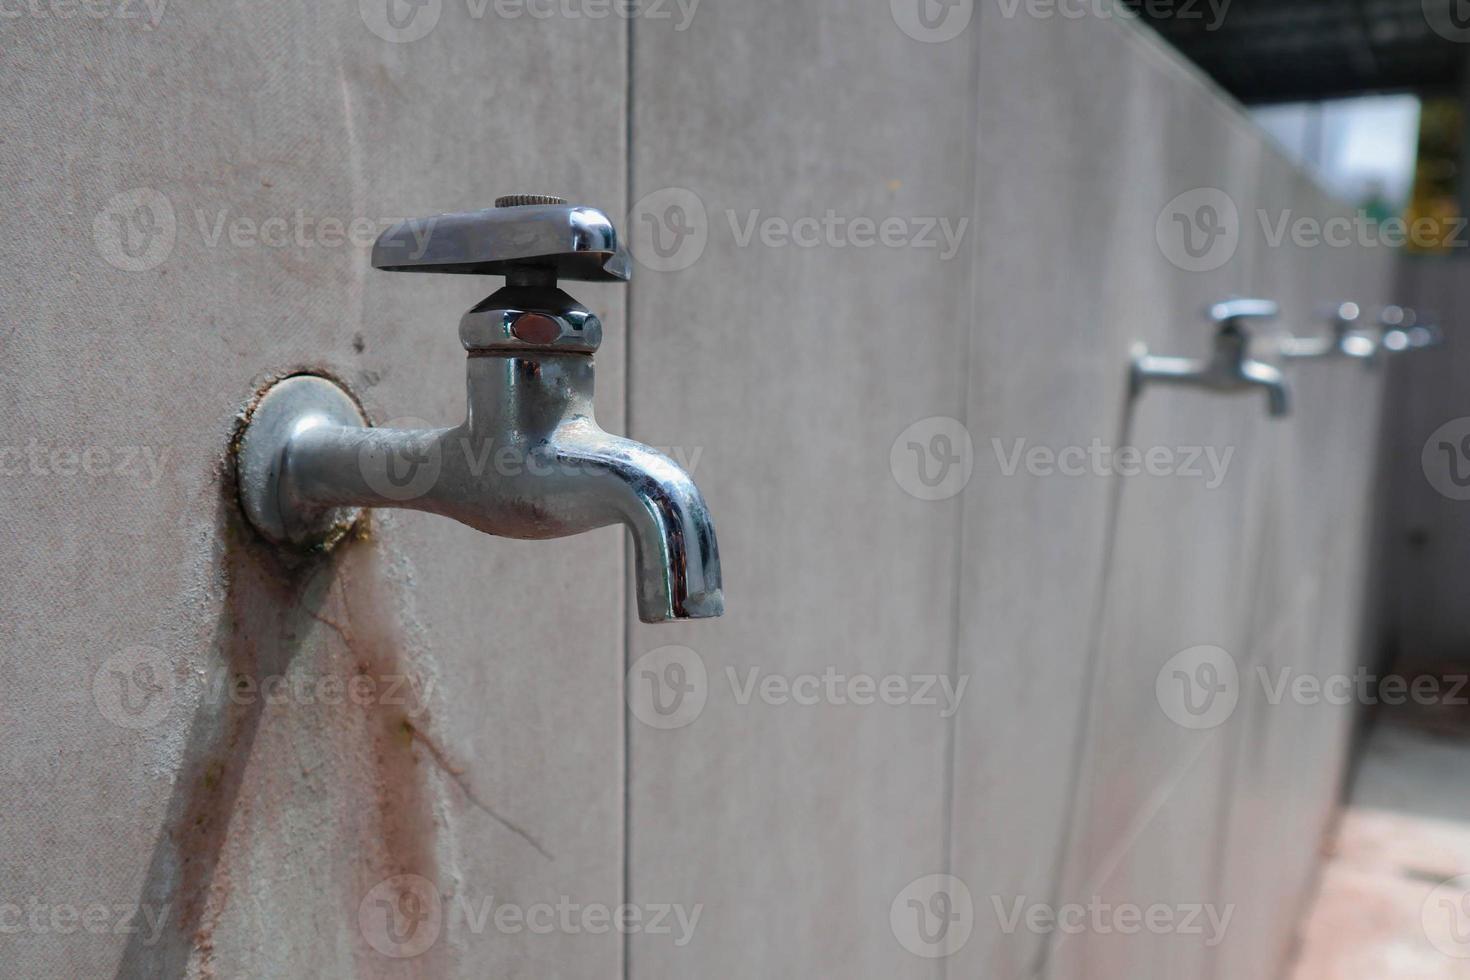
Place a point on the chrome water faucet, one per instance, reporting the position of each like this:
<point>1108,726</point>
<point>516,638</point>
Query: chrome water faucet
<point>529,461</point>
<point>1343,339</point>
<point>1229,368</point>
<point>1402,330</point>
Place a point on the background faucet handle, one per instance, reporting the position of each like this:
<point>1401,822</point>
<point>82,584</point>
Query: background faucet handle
<point>1344,316</point>
<point>530,234</point>
<point>1404,329</point>
<point>1396,316</point>
<point>1237,314</point>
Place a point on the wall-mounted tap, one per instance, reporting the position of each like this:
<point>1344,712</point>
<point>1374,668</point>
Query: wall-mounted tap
<point>1345,338</point>
<point>1402,330</point>
<point>529,461</point>
<point>1229,368</point>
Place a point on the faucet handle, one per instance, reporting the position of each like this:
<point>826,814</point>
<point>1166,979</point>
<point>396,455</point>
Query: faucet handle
<point>1344,317</point>
<point>1396,316</point>
<point>1235,314</point>
<point>523,235</point>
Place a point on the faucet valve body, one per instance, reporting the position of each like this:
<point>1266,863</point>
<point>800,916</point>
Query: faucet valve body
<point>529,318</point>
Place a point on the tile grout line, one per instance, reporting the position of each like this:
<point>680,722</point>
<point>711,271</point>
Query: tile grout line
<point>1090,670</point>
<point>627,869</point>
<point>951,743</point>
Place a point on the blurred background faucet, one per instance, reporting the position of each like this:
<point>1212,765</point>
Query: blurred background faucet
<point>1230,368</point>
<point>1402,331</point>
<point>1345,338</point>
<point>529,461</point>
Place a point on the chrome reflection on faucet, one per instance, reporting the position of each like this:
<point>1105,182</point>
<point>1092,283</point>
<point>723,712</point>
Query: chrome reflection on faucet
<point>1230,368</point>
<point>529,461</point>
<point>1345,338</point>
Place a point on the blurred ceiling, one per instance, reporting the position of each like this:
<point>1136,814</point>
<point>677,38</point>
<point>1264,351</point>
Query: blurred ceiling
<point>1288,50</point>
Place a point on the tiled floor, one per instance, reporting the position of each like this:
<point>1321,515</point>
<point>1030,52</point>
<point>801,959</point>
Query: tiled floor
<point>1383,910</point>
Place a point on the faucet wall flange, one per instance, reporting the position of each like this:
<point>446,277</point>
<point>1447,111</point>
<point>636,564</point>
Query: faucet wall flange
<point>286,409</point>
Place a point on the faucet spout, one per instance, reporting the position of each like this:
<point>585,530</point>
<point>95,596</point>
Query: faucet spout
<point>1269,377</point>
<point>676,555</point>
<point>529,462</point>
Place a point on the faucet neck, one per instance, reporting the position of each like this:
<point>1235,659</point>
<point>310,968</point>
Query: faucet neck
<point>1231,346</point>
<point>525,397</point>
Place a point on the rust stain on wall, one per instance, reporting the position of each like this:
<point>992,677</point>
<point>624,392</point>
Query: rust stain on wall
<point>244,777</point>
